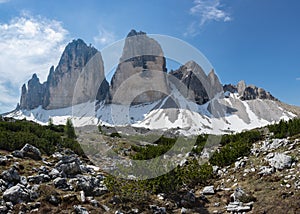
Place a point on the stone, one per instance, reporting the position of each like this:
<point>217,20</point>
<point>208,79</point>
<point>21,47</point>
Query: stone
<point>17,154</point>
<point>91,186</point>
<point>34,192</point>
<point>17,194</point>
<point>80,209</point>
<point>82,196</point>
<point>280,161</point>
<point>3,209</point>
<point>54,173</point>
<point>3,185</point>
<point>3,160</point>
<point>38,179</point>
<point>23,180</point>
<point>183,210</point>
<point>11,176</point>
<point>69,166</point>
<point>237,207</point>
<point>54,200</point>
<point>31,152</point>
<point>238,193</point>
<point>61,183</point>
<point>208,190</point>
<point>266,170</point>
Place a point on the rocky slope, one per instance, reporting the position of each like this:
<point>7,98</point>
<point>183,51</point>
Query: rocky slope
<point>31,182</point>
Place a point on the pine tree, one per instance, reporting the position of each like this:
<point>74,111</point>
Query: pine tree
<point>69,129</point>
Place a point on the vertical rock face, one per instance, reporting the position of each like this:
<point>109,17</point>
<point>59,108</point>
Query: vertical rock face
<point>140,75</point>
<point>33,96</point>
<point>77,79</point>
<point>200,87</point>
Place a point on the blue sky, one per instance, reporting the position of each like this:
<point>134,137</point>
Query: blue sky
<point>254,40</point>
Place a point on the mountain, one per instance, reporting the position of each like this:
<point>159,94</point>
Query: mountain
<point>143,95</point>
<point>142,68</point>
<point>80,68</point>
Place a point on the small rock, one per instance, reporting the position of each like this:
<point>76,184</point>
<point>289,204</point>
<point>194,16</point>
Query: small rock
<point>3,160</point>
<point>237,207</point>
<point>208,190</point>
<point>82,196</point>
<point>183,210</point>
<point>80,210</point>
<point>54,200</point>
<point>61,183</point>
<point>18,154</point>
<point>23,180</point>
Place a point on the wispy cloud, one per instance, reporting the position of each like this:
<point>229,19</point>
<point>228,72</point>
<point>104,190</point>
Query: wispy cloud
<point>4,1</point>
<point>298,78</point>
<point>205,11</point>
<point>104,37</point>
<point>29,45</point>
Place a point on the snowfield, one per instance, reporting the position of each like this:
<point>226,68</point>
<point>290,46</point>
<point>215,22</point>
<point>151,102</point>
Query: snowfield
<point>230,114</point>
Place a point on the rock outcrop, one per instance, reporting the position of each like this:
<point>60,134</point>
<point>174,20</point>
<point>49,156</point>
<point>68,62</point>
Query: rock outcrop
<point>77,79</point>
<point>32,96</point>
<point>200,87</point>
<point>248,92</point>
<point>140,75</point>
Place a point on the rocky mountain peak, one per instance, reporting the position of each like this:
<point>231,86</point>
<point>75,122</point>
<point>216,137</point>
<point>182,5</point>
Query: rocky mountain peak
<point>201,87</point>
<point>80,69</point>
<point>133,32</point>
<point>142,61</point>
<point>32,96</point>
<point>75,55</point>
<point>248,92</point>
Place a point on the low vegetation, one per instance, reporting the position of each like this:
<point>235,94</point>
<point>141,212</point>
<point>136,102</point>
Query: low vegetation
<point>14,134</point>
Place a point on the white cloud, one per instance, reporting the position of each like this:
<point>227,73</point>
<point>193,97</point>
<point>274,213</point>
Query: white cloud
<point>28,45</point>
<point>104,37</point>
<point>4,1</point>
<point>298,78</point>
<point>205,11</point>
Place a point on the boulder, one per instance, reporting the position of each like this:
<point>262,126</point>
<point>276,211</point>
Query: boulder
<point>31,152</point>
<point>17,194</point>
<point>91,186</point>
<point>280,161</point>
<point>62,183</point>
<point>11,176</point>
<point>69,166</point>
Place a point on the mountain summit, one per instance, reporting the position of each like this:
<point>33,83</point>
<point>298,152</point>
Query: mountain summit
<point>79,64</point>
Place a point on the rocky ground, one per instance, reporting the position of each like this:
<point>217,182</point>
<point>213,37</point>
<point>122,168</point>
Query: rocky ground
<point>268,181</point>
